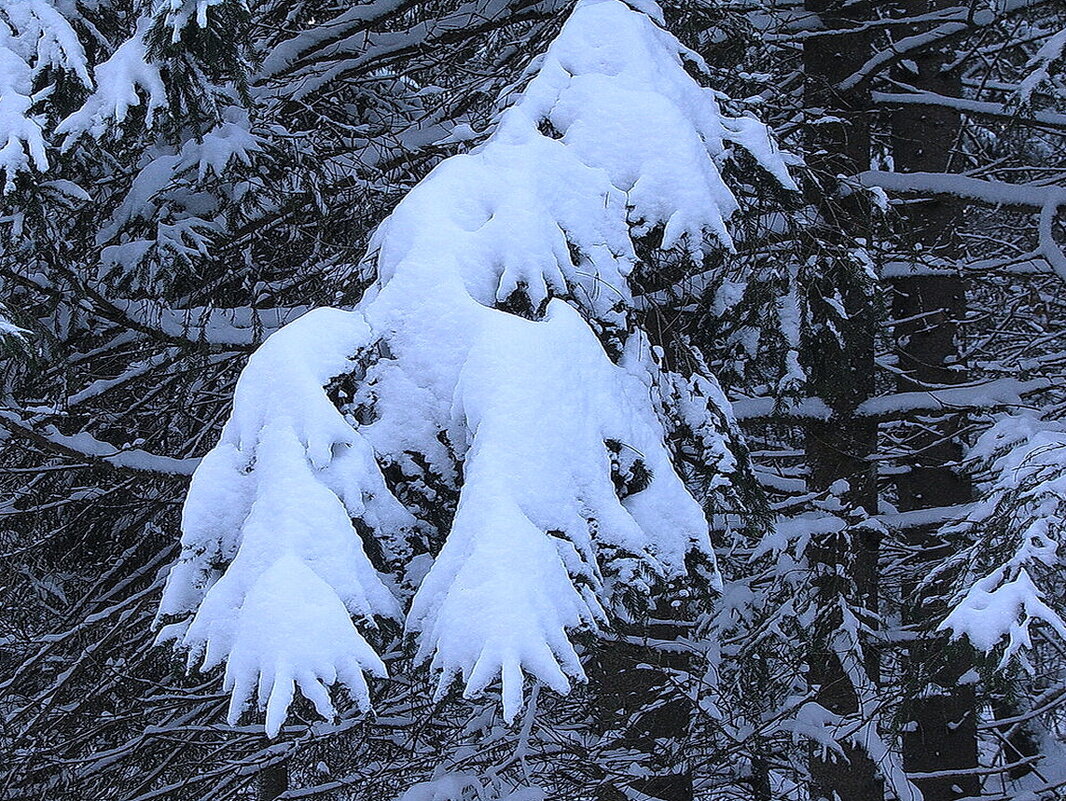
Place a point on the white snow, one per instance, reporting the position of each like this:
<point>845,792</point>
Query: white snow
<point>524,417</point>
<point>34,37</point>
<point>8,328</point>
<point>465,786</point>
<point>1018,529</point>
<point>1040,65</point>
<point>119,83</point>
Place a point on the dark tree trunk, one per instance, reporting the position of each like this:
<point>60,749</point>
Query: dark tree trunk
<point>1020,743</point>
<point>842,374</point>
<point>640,708</point>
<point>942,729</point>
<point>941,732</point>
<point>273,781</point>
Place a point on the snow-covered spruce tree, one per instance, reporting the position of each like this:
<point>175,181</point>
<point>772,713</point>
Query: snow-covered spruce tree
<point>146,259</point>
<point>493,361</point>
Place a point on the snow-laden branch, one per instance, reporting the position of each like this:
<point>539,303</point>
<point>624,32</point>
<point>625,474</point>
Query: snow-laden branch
<point>996,394</point>
<point>280,614</point>
<point>220,330</point>
<point>350,45</point>
<point>956,21</point>
<point>235,328</point>
<point>346,32</point>
<point>903,47</point>
<point>810,26</point>
<point>1040,66</point>
<point>34,38</point>
<point>1001,392</point>
<point>494,358</point>
<point>120,82</point>
<point>1047,246</point>
<point>967,106</point>
<point>994,193</point>
<point>1046,199</point>
<point>83,446</point>
<point>1012,571</point>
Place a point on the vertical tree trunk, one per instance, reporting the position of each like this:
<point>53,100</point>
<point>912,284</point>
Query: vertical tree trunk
<point>941,731</point>
<point>273,781</point>
<point>839,450</point>
<point>641,710</point>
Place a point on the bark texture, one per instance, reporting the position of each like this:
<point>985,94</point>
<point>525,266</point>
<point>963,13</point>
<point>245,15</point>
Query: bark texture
<point>842,373</point>
<point>941,731</point>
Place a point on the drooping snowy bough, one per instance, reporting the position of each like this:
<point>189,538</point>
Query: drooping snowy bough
<point>493,368</point>
<point>1009,578</point>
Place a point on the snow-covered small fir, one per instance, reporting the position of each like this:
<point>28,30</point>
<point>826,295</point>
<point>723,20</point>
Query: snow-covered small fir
<point>1012,570</point>
<point>494,358</point>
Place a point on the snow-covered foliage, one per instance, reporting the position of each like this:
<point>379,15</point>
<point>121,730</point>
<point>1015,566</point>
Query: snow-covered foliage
<point>217,168</point>
<point>494,356</point>
<point>1041,66</point>
<point>465,787</point>
<point>120,83</point>
<point>7,327</point>
<point>298,570</point>
<point>1013,572</point>
<point>36,39</point>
